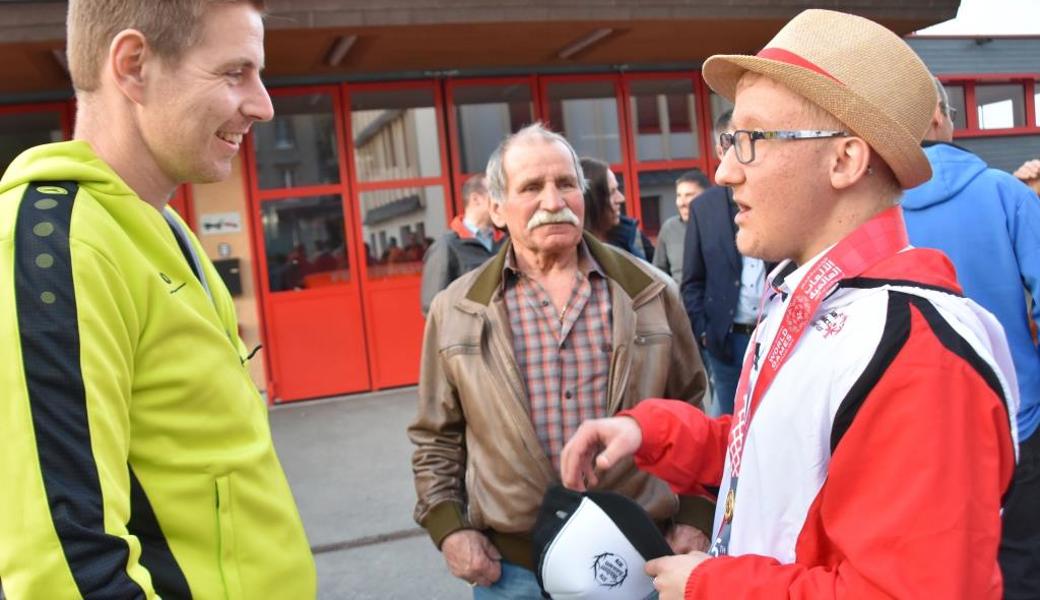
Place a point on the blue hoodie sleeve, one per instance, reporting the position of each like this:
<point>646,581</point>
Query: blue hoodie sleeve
<point>1024,228</point>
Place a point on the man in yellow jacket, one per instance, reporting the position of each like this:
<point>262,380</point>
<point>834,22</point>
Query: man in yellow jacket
<point>138,460</point>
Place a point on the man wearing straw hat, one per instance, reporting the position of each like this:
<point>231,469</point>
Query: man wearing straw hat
<point>873,440</point>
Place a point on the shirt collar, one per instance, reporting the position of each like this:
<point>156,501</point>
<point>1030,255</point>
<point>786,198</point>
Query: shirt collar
<point>587,264</point>
<point>787,275</point>
<point>476,231</point>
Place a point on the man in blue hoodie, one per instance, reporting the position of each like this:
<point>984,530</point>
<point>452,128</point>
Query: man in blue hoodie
<point>988,223</point>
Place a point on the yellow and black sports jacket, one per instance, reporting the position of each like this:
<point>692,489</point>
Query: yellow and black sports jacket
<point>137,458</point>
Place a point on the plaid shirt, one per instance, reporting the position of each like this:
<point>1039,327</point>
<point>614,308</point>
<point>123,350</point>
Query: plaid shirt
<point>563,359</point>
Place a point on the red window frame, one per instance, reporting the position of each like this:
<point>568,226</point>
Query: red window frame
<point>385,378</point>
<point>256,196</point>
<point>458,175</point>
<point>66,113</point>
<point>969,81</point>
<point>704,125</point>
<point>625,166</point>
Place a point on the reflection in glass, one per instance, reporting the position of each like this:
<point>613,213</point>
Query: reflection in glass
<point>398,226</point>
<point>486,114</point>
<point>664,115</point>
<point>21,131</point>
<point>960,116</point>
<point>587,115</point>
<point>298,147</point>
<point>304,242</point>
<point>719,105</point>
<point>1000,106</point>
<point>395,134</point>
<point>657,198</point>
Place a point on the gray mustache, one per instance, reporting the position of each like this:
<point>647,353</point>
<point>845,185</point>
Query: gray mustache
<point>544,217</point>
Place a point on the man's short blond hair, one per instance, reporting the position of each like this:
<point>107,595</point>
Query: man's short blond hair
<point>170,26</point>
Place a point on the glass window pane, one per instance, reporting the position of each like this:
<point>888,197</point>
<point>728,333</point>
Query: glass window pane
<point>304,242</point>
<point>587,115</point>
<point>657,198</point>
<point>298,147</point>
<point>960,116</point>
<point>395,134</point>
<point>664,114</point>
<point>486,114</point>
<point>398,226</point>
<point>1000,106</point>
<point>21,131</point>
<point>719,105</point>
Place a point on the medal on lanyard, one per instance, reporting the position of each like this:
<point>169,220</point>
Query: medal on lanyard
<point>877,239</point>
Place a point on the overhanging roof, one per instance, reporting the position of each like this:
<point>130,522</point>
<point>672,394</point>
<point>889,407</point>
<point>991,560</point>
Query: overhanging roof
<point>414,37</point>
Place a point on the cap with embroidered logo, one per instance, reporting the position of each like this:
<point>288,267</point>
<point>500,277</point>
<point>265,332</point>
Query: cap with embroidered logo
<point>594,546</point>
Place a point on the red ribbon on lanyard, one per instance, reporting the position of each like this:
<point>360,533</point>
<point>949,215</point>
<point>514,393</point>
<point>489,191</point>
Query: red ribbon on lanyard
<point>877,239</point>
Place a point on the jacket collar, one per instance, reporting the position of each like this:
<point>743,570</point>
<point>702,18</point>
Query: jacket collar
<point>459,227</point>
<point>615,266</point>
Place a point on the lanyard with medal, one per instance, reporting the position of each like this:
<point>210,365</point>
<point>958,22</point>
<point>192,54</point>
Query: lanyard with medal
<point>877,239</point>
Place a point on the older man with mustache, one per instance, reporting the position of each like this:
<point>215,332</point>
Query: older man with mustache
<point>556,329</point>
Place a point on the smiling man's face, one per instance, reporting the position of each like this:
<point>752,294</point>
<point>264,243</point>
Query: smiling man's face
<point>197,109</point>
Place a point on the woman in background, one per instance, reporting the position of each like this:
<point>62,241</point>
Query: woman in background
<point>603,206</point>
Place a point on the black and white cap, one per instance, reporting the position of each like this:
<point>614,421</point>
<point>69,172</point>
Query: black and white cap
<point>593,546</point>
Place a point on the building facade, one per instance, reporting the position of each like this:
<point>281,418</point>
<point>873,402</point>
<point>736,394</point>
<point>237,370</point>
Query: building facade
<point>383,110</point>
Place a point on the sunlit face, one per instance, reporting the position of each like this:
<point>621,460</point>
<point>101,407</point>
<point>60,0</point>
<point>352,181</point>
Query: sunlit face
<point>196,112</point>
<point>685,192</point>
<point>784,196</point>
<point>544,208</point>
<point>617,199</point>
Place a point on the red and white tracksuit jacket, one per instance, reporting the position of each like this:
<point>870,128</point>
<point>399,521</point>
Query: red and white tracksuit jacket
<point>877,460</point>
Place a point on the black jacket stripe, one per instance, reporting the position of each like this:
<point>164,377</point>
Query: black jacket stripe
<point>956,344</point>
<point>871,282</point>
<point>893,338</point>
<point>952,341</point>
<point>167,577</point>
<point>47,324</point>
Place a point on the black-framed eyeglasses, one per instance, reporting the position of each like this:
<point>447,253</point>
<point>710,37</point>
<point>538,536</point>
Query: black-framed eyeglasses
<point>743,140</point>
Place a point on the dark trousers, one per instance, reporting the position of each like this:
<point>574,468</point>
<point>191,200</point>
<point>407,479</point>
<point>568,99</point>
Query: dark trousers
<point>725,374</point>
<point>1020,544</point>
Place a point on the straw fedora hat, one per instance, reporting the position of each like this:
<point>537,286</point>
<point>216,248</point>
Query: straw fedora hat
<point>855,69</point>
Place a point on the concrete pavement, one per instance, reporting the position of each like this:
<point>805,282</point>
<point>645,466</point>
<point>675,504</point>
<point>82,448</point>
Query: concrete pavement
<point>349,463</point>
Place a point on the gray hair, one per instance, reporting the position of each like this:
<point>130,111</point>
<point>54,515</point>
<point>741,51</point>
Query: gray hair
<point>495,174</point>
<point>944,98</point>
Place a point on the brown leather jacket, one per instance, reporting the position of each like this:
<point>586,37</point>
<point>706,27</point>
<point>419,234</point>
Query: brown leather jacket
<point>478,463</point>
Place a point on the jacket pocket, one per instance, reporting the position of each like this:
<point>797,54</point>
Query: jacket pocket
<point>647,339</point>
<point>456,349</point>
<point>473,513</point>
<point>651,357</point>
<point>226,531</point>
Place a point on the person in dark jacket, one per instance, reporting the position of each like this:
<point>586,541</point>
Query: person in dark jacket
<point>721,289</point>
<point>471,241</point>
<point>988,223</point>
<point>603,210</point>
<point>670,240</point>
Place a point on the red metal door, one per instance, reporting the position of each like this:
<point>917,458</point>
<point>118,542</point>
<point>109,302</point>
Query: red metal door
<point>398,162</point>
<point>309,266</point>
